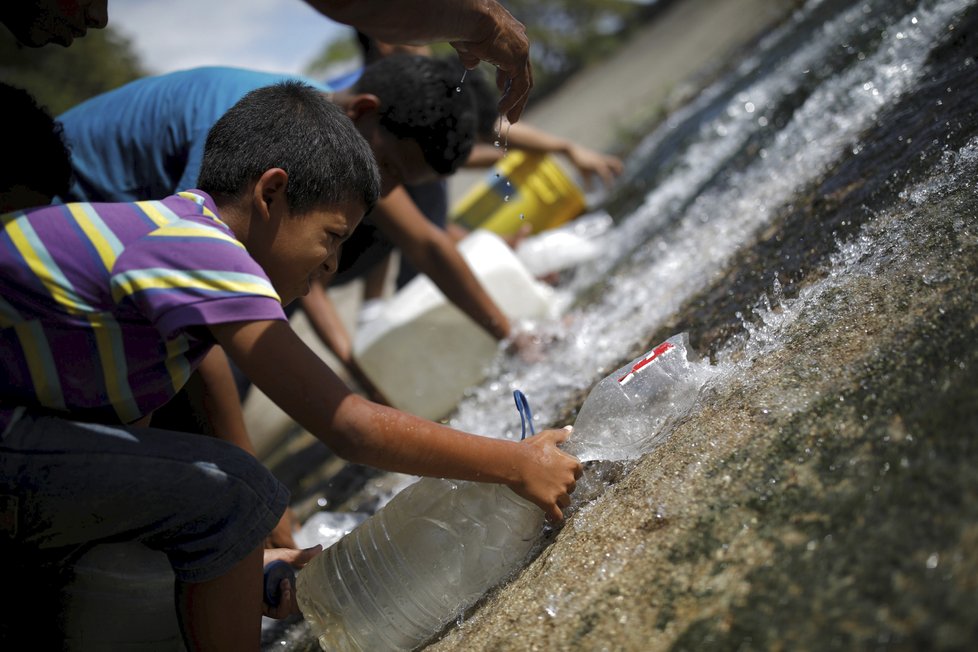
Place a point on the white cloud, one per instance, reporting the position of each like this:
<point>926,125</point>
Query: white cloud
<point>273,35</point>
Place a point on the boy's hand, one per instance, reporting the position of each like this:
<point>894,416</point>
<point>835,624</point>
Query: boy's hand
<point>297,559</point>
<point>548,474</point>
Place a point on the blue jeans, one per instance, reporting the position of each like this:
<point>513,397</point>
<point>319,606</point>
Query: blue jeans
<point>65,485</point>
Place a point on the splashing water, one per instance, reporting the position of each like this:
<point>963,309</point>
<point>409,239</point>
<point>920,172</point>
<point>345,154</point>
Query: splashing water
<point>827,175</point>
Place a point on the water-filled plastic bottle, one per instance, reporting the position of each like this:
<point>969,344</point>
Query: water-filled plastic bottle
<point>626,413</point>
<point>415,565</point>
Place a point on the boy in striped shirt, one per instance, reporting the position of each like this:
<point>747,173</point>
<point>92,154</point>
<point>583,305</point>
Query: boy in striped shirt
<point>105,311</point>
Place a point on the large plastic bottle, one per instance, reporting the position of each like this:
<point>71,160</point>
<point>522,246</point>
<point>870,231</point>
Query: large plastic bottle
<point>415,565</point>
<point>626,413</point>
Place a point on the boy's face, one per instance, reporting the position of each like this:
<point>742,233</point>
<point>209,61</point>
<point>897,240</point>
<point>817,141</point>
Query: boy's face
<point>399,160</point>
<point>296,250</point>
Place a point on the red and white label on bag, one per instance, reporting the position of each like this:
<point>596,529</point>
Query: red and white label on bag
<point>649,357</point>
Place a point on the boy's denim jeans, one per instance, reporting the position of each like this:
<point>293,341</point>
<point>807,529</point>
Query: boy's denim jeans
<point>65,485</point>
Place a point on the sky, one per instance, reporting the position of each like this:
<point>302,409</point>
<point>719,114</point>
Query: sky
<point>272,35</point>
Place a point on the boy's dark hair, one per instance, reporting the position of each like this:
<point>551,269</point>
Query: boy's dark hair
<point>293,126</point>
<point>41,162</point>
<point>418,101</point>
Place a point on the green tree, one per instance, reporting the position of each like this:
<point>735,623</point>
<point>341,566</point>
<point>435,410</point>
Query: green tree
<point>59,77</point>
<point>340,51</point>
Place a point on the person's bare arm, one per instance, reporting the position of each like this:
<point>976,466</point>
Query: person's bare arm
<point>329,327</point>
<point>480,30</point>
<point>360,431</point>
<point>434,253</point>
<point>484,155</point>
<point>214,396</point>
<point>589,162</point>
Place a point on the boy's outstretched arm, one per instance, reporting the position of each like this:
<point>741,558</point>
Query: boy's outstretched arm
<point>326,322</point>
<point>435,254</point>
<point>360,431</point>
<point>214,397</point>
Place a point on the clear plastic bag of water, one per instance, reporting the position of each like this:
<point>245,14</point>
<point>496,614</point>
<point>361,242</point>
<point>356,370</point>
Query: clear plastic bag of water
<point>627,412</point>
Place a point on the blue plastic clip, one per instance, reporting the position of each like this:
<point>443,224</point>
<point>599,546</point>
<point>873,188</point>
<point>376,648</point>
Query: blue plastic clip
<point>275,572</point>
<point>526,416</point>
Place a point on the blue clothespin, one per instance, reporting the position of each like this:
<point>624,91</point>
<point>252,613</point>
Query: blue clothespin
<point>275,572</point>
<point>526,416</point>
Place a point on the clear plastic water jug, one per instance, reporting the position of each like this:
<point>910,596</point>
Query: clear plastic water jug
<point>627,412</point>
<point>415,565</point>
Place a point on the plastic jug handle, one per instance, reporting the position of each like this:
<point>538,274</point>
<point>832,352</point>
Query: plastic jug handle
<point>526,415</point>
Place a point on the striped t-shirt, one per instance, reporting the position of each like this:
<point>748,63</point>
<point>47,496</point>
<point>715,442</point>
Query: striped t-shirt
<point>104,307</point>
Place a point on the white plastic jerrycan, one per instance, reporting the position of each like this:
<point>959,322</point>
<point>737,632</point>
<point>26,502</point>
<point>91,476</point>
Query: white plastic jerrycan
<point>121,598</point>
<point>423,352</point>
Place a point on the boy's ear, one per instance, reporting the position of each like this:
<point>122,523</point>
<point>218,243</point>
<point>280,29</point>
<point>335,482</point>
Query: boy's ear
<point>362,104</point>
<point>269,192</point>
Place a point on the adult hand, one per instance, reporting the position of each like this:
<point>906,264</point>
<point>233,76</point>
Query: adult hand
<point>502,41</point>
<point>39,22</point>
<point>481,30</point>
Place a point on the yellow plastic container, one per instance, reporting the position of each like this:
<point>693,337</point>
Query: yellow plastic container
<point>539,192</point>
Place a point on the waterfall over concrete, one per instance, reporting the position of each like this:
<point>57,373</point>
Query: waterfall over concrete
<point>810,219</point>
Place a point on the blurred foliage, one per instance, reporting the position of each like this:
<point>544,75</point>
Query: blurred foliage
<point>344,52</point>
<point>59,77</point>
<point>337,51</point>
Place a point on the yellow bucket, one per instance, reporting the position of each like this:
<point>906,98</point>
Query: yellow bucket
<point>539,192</point>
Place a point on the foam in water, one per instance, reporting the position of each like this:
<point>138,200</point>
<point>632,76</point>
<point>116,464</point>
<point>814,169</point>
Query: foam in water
<point>651,281</point>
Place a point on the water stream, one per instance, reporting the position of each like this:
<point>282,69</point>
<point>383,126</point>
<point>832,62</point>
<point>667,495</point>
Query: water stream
<point>810,219</point>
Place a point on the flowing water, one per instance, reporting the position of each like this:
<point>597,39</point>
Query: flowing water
<point>810,219</point>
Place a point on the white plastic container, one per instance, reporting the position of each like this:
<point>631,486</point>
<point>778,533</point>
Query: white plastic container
<point>423,352</point>
<point>413,566</point>
<point>121,600</point>
<point>627,412</point>
<point>565,246</point>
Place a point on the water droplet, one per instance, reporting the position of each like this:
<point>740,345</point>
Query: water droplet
<point>458,89</point>
<point>506,198</point>
<point>522,216</point>
<point>495,143</point>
